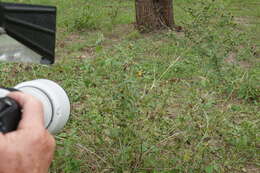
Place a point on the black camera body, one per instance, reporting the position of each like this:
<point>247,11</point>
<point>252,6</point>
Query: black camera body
<point>10,114</point>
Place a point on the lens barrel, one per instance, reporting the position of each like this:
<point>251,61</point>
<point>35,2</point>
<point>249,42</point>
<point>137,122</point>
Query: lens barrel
<point>55,102</point>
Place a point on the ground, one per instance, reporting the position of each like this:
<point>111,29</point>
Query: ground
<point>157,102</point>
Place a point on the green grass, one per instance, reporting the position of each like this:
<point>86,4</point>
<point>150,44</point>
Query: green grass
<point>248,14</point>
<point>155,102</point>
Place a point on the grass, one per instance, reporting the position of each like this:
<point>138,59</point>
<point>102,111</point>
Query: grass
<point>156,102</point>
<point>249,18</point>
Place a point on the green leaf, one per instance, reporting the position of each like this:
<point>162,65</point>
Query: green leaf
<point>209,169</point>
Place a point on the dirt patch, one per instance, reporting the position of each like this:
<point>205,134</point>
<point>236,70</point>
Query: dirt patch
<point>251,169</point>
<point>87,52</point>
<point>231,59</point>
<point>242,20</point>
<point>120,31</point>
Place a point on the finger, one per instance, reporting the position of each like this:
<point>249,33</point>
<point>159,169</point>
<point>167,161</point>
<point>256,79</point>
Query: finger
<point>1,136</point>
<point>32,110</point>
<point>2,142</point>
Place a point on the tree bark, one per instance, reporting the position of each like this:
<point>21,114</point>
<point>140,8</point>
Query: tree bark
<point>154,14</point>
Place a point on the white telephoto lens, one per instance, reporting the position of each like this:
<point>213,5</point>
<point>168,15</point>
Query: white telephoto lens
<point>3,92</point>
<point>55,102</point>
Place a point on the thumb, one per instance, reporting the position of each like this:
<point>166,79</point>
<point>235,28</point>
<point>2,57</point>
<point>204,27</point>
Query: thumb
<point>32,110</point>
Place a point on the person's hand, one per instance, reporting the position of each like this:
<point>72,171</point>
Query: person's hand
<point>30,148</point>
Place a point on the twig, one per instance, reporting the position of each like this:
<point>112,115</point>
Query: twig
<point>162,141</point>
<point>173,63</point>
<point>91,152</point>
<point>169,67</point>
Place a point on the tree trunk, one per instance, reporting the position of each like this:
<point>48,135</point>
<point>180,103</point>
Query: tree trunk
<point>154,14</point>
